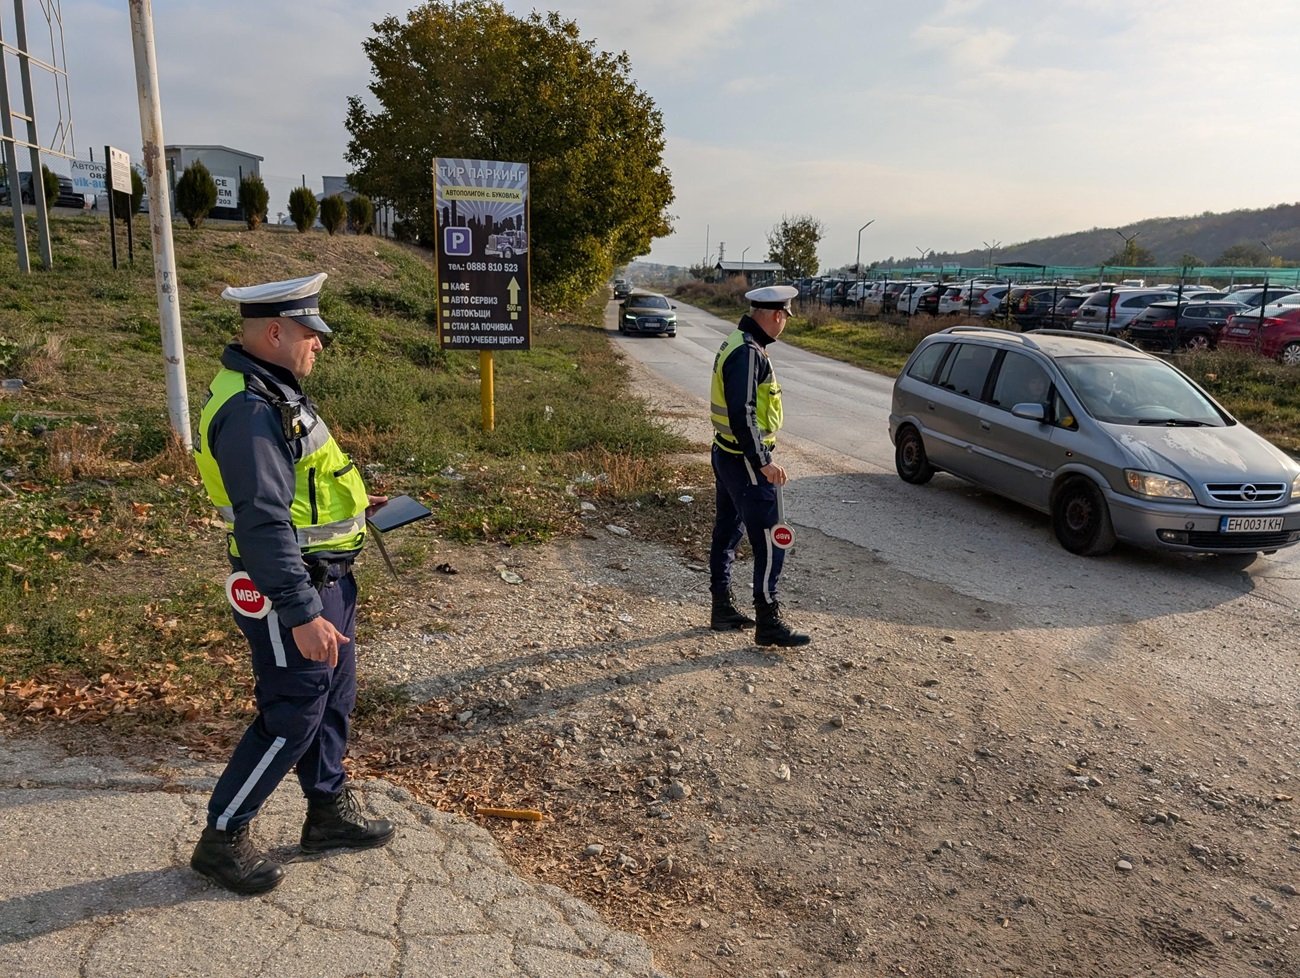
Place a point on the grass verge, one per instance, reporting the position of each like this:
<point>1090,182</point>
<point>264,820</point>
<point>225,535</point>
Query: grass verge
<point>111,560</point>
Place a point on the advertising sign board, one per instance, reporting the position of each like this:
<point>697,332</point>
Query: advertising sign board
<point>88,177</point>
<point>227,190</point>
<point>481,242</point>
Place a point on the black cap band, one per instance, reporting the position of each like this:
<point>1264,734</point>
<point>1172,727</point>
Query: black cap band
<point>289,308</point>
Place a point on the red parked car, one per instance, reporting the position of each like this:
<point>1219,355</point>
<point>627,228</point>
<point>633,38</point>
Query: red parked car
<point>1275,335</point>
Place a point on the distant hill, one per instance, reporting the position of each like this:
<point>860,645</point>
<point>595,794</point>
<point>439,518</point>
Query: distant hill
<point>1206,236</point>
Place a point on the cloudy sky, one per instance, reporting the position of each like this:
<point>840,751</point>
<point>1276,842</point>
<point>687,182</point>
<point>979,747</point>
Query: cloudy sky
<point>946,122</point>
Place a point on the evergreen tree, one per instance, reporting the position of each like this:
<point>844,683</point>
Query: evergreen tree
<point>361,215</point>
<point>302,208</point>
<point>333,214</point>
<point>254,199</point>
<point>196,193</point>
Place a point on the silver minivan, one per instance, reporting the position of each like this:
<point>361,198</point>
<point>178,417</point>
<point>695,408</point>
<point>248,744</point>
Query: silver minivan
<point>1113,443</point>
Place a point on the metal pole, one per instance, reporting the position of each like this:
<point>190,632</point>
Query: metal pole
<point>164,256</point>
<point>112,206</point>
<point>34,144</point>
<point>11,169</point>
<point>857,261</point>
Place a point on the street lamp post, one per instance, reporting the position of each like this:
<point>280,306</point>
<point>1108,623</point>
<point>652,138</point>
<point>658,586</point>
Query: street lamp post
<point>991,246</point>
<point>1130,250</point>
<point>743,273</point>
<point>857,261</point>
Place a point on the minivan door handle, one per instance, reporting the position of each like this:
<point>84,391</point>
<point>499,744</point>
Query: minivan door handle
<point>984,425</point>
<point>929,405</point>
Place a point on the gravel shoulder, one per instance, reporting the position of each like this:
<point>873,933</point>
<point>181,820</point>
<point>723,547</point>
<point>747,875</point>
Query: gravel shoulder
<point>938,785</point>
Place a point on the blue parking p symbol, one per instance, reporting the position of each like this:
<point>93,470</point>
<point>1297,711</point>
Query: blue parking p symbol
<point>456,241</point>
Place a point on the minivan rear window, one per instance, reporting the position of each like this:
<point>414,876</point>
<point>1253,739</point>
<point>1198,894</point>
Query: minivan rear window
<point>926,361</point>
<point>967,369</point>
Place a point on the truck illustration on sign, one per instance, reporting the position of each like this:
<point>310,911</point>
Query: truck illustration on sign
<point>507,244</point>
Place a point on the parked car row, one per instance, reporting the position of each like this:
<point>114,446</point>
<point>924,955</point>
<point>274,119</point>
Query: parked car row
<point>1162,316</point>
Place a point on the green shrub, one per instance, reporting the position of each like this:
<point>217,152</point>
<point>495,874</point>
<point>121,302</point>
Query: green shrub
<point>333,213</point>
<point>50,183</point>
<point>196,193</point>
<point>361,215</point>
<point>254,199</point>
<point>302,208</point>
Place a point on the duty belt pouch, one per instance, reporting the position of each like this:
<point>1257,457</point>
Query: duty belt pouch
<point>317,572</point>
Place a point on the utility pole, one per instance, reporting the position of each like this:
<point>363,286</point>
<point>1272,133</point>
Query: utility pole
<point>160,218</point>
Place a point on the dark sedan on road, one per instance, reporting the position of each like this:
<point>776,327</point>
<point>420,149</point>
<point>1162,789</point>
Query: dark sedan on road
<point>647,312</point>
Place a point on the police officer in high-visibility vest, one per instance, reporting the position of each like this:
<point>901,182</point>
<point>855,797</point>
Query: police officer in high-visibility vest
<point>295,511</point>
<point>745,403</point>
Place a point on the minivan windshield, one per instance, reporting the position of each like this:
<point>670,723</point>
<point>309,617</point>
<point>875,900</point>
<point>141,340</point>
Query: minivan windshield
<point>1138,391</point>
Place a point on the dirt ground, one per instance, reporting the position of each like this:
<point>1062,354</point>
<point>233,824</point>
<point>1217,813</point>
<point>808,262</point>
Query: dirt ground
<point>933,787</point>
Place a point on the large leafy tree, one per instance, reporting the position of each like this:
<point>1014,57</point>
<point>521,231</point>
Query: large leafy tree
<point>793,243</point>
<point>473,81</point>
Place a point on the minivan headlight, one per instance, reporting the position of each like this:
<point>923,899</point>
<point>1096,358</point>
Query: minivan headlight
<point>1159,486</point>
<point>1295,488</point>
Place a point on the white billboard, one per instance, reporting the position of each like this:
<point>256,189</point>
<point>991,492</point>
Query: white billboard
<point>88,177</point>
<point>227,190</point>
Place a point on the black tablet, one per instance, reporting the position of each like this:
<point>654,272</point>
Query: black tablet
<point>398,511</point>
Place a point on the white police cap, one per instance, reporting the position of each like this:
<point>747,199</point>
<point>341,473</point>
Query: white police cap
<point>772,297</point>
<point>296,298</point>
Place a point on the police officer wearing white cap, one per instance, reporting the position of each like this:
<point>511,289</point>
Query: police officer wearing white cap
<point>295,508</point>
<point>745,402</point>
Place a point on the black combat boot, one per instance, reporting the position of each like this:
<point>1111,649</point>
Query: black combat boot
<point>772,628</point>
<point>229,860</point>
<point>726,616</point>
<point>340,824</point>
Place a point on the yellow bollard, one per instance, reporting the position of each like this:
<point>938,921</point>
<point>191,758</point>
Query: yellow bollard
<point>485,392</point>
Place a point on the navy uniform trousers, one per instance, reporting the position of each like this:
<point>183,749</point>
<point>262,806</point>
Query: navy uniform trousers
<point>745,502</point>
<point>302,711</point>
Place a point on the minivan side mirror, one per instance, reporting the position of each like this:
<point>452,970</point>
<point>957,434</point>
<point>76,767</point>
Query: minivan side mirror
<point>1030,411</point>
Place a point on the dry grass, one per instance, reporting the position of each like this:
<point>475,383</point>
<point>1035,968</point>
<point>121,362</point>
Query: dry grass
<point>79,451</point>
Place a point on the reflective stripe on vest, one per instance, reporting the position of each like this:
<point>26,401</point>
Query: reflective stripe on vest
<point>767,401</point>
<point>329,501</point>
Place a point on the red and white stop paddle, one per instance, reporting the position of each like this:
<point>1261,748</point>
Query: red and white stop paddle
<point>244,596</point>
<point>782,534</point>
